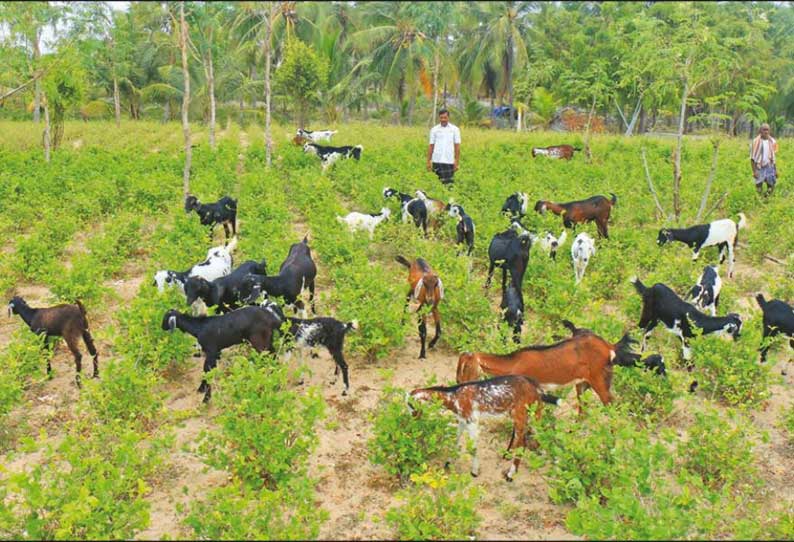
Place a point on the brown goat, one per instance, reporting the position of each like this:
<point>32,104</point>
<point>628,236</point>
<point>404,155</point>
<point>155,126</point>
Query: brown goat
<point>300,141</point>
<point>584,359</point>
<point>511,395</point>
<point>592,209</point>
<point>67,321</point>
<point>426,289</point>
<point>555,151</point>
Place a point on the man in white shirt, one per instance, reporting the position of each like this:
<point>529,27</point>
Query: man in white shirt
<point>443,155</point>
<point>762,158</point>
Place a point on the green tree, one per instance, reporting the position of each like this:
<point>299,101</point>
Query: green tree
<point>300,76</point>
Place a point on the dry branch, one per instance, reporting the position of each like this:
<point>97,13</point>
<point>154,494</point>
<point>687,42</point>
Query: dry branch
<point>650,184</point>
<point>710,179</point>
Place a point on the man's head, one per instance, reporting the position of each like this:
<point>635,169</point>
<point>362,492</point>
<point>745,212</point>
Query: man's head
<point>443,117</point>
<point>764,131</point>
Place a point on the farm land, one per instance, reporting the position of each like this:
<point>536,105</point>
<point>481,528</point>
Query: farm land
<point>135,454</point>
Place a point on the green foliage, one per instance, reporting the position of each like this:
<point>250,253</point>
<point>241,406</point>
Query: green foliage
<point>301,75</point>
<point>787,423</point>
<point>404,444</point>
<point>649,396</point>
<point>22,359</point>
<point>437,507</point>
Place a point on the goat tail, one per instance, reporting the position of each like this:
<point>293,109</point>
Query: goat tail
<point>761,301</point>
<point>569,326</point>
<point>89,342</point>
<point>614,199</point>
<point>638,285</point>
<point>550,399</point>
<point>403,261</point>
<point>742,222</point>
<point>82,310</point>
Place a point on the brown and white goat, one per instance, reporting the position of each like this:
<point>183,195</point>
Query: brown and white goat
<point>426,289</point>
<point>595,209</point>
<point>511,395</point>
<point>584,359</point>
<point>555,151</point>
<point>67,321</point>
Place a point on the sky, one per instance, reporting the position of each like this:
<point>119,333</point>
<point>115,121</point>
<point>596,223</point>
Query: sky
<point>48,36</point>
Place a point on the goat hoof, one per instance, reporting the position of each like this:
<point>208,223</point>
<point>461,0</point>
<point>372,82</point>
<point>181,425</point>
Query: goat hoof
<point>447,465</point>
<point>693,386</point>
<point>507,476</point>
<point>474,474</point>
<point>422,356</point>
<point>344,392</point>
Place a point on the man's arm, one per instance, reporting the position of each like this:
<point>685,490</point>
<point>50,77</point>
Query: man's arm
<point>457,156</point>
<point>430,157</point>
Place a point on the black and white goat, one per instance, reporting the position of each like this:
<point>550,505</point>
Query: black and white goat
<point>67,321</point>
<point>327,332</point>
<point>582,249</point>
<point>513,310</point>
<point>515,205</point>
<point>706,293</point>
<point>365,221</point>
<point>254,325</point>
<point>550,244</point>
<point>217,264</point>
<point>223,292</point>
<point>223,211</point>
<point>465,226</point>
<point>296,273</point>
<point>409,206</point>
<point>316,135</point>
<point>328,155</point>
<point>722,233</point>
<point>661,304</point>
<point>510,251</point>
<point>778,319</point>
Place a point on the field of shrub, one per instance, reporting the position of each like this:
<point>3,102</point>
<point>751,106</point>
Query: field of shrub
<point>135,454</point>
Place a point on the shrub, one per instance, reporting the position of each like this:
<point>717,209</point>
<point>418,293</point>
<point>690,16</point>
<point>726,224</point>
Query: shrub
<point>23,358</point>
<point>406,445</point>
<point>649,396</point>
<point>437,507</point>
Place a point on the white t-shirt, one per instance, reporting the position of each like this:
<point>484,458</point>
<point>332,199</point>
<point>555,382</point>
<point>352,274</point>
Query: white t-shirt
<point>444,139</point>
<point>764,152</point>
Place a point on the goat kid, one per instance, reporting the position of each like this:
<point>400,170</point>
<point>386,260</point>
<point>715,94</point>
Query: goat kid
<point>365,221</point>
<point>778,319</point>
<point>555,151</point>
<point>595,209</point>
<point>722,233</point>
<point>316,135</point>
<point>470,401</point>
<point>515,206</point>
<point>426,289</point>
<point>706,293</point>
<point>513,310</point>
<point>550,244</point>
<point>223,211</point>
<point>217,264</point>
<point>464,228</point>
<point>329,155</point>
<point>582,249</point>
<point>67,321</point>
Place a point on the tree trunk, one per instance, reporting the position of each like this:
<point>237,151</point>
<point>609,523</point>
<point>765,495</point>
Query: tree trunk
<point>37,91</point>
<point>643,123</point>
<point>634,117</point>
<point>411,105</point>
<point>677,157</point>
<point>185,101</point>
<point>211,88</point>
<point>510,76</point>
<point>620,112</point>
<point>268,32</point>
<point>710,179</point>
<point>518,124</point>
<point>435,86</point>
<point>167,111</point>
<point>46,133</point>
<point>116,101</point>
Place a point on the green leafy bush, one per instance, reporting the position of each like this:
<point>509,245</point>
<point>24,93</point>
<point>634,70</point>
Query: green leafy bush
<point>649,396</point>
<point>437,507</point>
<point>404,444</point>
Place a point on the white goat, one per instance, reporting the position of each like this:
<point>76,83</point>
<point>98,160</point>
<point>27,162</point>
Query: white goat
<point>582,249</point>
<point>550,244</point>
<point>317,135</point>
<point>364,221</point>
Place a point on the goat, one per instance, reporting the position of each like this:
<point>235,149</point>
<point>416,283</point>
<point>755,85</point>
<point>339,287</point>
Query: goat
<point>217,264</point>
<point>513,310</point>
<point>550,244</point>
<point>515,206</point>
<point>297,272</point>
<point>254,325</point>
<point>660,303</point>
<point>223,292</point>
<point>300,141</point>
<point>510,251</point>
<point>426,289</point>
<point>706,293</point>
<point>434,206</point>
<point>329,155</point>
<point>364,221</point>
<point>778,318</point>
<point>223,211</point>
<point>584,359</point>
<point>723,233</point>
<point>464,227</point>
<point>409,206</point>
<point>595,209</point>
<point>511,395</point>
<point>327,332</point>
<point>582,249</point>
<point>316,135</point>
<point>67,321</point>
<point>555,151</point>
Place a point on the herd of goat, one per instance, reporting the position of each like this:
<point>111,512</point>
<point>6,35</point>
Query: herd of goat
<point>244,298</point>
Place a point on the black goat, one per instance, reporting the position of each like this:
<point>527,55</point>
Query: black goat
<point>510,251</point>
<point>67,321</point>
<point>223,292</point>
<point>464,227</point>
<point>778,318</point>
<point>296,273</point>
<point>706,293</point>
<point>660,303</point>
<point>515,206</point>
<point>223,211</point>
<point>409,206</point>
<point>254,325</point>
<point>513,309</point>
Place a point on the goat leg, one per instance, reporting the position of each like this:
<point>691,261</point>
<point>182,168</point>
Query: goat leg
<point>422,336</point>
<point>437,319</point>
